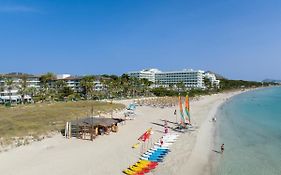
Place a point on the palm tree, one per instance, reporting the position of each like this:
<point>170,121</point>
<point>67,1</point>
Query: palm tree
<point>23,87</point>
<point>45,80</point>
<point>207,83</point>
<point>180,86</point>
<point>145,85</point>
<point>32,91</point>
<point>59,88</point>
<point>2,84</point>
<point>62,90</point>
<point>9,84</point>
<point>87,84</point>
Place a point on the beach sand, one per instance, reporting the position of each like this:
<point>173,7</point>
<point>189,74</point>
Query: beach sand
<point>110,154</point>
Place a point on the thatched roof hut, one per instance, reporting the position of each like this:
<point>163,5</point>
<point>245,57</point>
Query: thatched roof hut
<point>95,121</point>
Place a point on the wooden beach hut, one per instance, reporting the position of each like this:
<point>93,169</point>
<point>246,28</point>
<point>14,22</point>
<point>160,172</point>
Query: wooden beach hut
<point>89,128</point>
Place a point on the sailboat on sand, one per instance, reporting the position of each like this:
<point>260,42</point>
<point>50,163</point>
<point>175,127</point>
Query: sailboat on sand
<point>185,118</point>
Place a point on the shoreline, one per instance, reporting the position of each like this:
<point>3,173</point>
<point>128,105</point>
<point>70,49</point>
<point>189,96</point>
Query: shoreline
<point>193,153</point>
<point>213,159</point>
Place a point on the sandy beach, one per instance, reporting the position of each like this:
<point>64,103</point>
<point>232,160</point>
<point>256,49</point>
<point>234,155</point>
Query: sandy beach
<point>110,154</point>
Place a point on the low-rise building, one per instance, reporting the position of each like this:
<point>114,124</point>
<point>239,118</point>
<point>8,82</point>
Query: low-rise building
<point>11,92</point>
<point>212,78</point>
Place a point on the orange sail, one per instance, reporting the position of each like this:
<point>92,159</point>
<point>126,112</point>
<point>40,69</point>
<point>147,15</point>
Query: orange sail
<point>181,111</point>
<point>187,109</point>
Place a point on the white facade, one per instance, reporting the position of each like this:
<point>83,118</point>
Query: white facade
<point>148,74</point>
<point>74,83</point>
<point>190,78</point>
<point>12,94</point>
<point>213,79</point>
<point>62,76</point>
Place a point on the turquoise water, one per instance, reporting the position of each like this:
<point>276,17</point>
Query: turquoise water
<point>250,127</point>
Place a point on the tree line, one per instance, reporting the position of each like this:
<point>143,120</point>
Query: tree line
<point>52,89</point>
<point>113,86</point>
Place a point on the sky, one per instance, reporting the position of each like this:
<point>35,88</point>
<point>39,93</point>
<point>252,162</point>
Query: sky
<point>239,39</point>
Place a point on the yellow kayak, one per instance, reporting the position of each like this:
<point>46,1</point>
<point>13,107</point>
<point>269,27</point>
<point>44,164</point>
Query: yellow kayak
<point>136,145</point>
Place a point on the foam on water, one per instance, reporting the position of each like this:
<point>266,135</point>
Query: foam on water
<point>250,127</point>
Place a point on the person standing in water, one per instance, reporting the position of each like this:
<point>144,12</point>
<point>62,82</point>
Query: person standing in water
<point>222,148</point>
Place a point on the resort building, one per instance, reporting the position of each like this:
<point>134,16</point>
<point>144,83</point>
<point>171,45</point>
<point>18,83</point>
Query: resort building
<point>146,74</point>
<point>189,77</point>
<point>11,92</point>
<point>212,78</point>
<point>74,82</point>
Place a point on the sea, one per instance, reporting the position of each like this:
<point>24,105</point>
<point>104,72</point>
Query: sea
<point>249,125</point>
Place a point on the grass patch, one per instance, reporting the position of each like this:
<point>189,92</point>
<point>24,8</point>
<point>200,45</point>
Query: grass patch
<point>39,119</point>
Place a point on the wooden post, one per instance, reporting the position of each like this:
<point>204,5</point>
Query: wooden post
<point>66,130</point>
<point>92,125</point>
<point>77,129</point>
<point>69,129</point>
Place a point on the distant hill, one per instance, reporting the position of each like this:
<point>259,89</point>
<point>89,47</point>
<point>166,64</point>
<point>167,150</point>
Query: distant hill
<point>271,81</point>
<point>218,76</point>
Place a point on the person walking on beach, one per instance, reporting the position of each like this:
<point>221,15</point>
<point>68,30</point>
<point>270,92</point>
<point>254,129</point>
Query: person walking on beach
<point>222,148</point>
<point>161,142</point>
<point>175,113</point>
<point>166,127</point>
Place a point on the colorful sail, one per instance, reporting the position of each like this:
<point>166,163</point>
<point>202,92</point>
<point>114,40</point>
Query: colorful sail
<point>145,136</point>
<point>187,109</point>
<point>181,111</point>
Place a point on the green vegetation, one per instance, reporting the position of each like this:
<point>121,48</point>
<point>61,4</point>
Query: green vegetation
<point>38,119</point>
<point>236,84</point>
<point>225,85</point>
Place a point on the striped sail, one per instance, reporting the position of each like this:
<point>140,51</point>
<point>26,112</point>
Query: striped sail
<point>181,111</point>
<point>187,109</point>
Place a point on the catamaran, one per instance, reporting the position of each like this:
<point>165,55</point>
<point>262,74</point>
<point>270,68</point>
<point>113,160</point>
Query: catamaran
<point>185,119</point>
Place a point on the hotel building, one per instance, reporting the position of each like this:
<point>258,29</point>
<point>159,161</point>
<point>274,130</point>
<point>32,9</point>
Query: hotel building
<point>12,93</point>
<point>146,74</point>
<point>190,78</point>
<point>74,82</point>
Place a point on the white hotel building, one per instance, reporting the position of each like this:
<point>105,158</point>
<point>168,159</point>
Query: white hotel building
<point>146,74</point>
<point>190,78</point>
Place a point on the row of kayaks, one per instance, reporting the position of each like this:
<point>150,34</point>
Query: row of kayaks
<point>152,157</point>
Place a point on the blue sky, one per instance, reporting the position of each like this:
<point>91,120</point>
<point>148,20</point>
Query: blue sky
<point>240,39</point>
